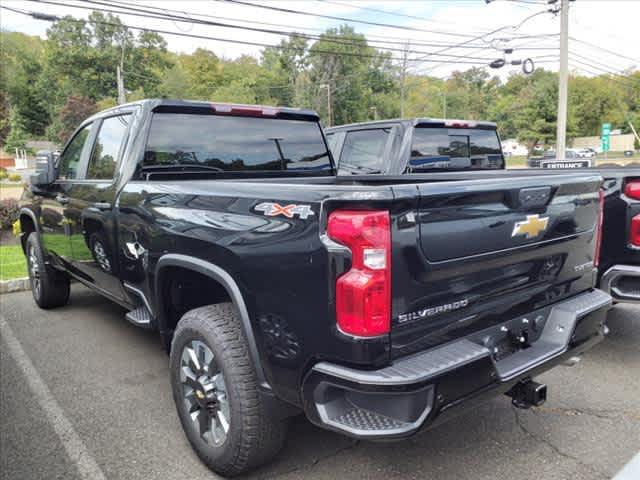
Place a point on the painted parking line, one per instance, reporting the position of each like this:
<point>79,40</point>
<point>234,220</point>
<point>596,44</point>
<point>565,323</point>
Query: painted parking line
<point>74,446</point>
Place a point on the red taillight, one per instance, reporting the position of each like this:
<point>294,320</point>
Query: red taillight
<point>363,294</point>
<point>632,190</point>
<point>596,259</point>
<point>634,235</point>
<point>244,110</point>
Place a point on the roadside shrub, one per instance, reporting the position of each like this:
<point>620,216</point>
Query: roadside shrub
<point>15,177</point>
<point>9,213</point>
<point>3,174</point>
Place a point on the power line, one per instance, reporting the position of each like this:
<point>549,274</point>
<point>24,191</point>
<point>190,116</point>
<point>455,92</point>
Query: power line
<point>490,33</point>
<point>622,78</point>
<point>599,74</point>
<point>382,39</point>
<point>370,38</point>
<point>49,17</point>
<point>344,19</point>
<point>604,49</point>
<point>386,12</point>
<point>133,11</point>
<point>608,68</point>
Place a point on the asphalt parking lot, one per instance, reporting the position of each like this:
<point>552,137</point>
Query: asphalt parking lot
<point>84,394</point>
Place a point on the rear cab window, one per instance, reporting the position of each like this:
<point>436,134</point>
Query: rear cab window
<point>363,150</point>
<point>234,144</point>
<point>435,147</point>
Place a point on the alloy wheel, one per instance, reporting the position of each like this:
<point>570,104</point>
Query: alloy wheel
<point>204,393</point>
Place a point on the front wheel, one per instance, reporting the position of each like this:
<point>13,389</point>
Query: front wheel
<point>216,393</point>
<point>50,287</point>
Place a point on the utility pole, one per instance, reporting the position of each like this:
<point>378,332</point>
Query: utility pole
<point>328,87</point>
<point>444,105</point>
<point>403,78</point>
<point>563,83</point>
<point>120,80</point>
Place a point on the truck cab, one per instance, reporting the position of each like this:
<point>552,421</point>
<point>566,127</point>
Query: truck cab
<point>418,145</point>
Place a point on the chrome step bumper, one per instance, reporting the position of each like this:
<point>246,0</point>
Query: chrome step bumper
<point>398,400</point>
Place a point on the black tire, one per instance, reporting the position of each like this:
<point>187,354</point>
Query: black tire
<point>50,287</point>
<point>100,252</point>
<point>254,437</point>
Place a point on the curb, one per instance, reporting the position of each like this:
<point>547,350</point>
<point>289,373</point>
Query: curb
<point>15,285</point>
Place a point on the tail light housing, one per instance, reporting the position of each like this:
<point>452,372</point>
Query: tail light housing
<point>634,235</point>
<point>596,259</point>
<point>363,294</point>
<point>632,189</point>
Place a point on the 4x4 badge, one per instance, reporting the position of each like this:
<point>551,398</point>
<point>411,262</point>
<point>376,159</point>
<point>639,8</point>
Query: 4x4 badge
<point>271,209</point>
<point>533,226</point>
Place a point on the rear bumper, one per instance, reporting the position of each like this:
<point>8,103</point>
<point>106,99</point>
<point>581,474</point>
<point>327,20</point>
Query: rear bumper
<point>425,389</point>
<point>622,282</point>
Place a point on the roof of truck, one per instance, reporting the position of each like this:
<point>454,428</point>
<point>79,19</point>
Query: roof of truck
<point>414,122</point>
<point>220,107</point>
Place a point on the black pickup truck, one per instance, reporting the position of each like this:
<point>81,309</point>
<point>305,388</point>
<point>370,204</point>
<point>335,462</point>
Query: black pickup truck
<point>396,147</point>
<point>376,305</point>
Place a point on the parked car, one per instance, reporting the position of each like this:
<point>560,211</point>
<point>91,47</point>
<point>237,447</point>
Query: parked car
<point>376,305</point>
<point>619,272</point>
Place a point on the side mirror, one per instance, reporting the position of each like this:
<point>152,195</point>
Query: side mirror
<point>46,168</point>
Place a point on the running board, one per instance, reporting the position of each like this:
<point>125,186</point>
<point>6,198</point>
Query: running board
<point>139,317</point>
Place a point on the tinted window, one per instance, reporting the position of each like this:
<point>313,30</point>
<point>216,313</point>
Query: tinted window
<point>235,143</point>
<point>104,157</point>
<point>455,148</point>
<point>364,149</point>
<point>70,159</point>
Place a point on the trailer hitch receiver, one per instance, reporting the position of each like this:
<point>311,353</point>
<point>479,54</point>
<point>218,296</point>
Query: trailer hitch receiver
<point>528,394</point>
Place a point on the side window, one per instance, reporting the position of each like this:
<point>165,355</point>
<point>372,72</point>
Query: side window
<point>70,159</point>
<point>364,148</point>
<point>102,164</point>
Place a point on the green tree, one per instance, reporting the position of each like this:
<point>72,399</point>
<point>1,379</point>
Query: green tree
<point>73,112</point>
<point>17,137</point>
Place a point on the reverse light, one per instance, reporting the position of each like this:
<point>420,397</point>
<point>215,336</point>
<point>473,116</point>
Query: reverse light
<point>363,294</point>
<point>634,235</point>
<point>632,190</point>
<point>596,259</point>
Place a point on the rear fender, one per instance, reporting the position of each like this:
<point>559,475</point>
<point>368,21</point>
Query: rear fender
<point>226,280</point>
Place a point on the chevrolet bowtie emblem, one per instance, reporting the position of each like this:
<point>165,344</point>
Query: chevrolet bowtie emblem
<point>533,226</point>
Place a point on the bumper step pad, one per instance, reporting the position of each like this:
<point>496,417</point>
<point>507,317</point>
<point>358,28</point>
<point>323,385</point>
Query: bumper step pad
<point>365,420</point>
<point>139,317</point>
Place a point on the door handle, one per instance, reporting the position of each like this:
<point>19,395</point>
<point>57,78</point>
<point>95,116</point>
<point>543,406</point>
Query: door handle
<point>101,205</point>
<point>62,199</point>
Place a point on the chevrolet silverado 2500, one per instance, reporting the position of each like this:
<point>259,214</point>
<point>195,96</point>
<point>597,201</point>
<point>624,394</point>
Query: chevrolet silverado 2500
<point>376,305</point>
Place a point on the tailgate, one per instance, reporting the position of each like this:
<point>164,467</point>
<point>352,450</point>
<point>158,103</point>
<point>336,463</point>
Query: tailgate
<point>475,253</point>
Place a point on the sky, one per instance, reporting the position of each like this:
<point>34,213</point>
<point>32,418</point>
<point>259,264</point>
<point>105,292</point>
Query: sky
<point>611,25</point>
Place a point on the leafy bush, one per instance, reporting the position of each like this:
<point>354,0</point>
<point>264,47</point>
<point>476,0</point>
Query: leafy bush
<point>15,177</point>
<point>3,174</point>
<point>9,213</point>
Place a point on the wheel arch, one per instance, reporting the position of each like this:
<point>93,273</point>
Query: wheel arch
<point>28,223</point>
<point>227,282</point>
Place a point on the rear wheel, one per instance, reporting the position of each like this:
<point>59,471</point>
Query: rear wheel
<point>50,287</point>
<point>216,393</point>
<point>99,251</point>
